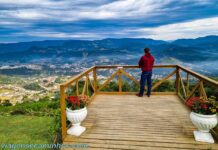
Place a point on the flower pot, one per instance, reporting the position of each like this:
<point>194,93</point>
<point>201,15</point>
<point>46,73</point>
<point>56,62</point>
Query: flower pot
<point>76,117</point>
<point>204,123</point>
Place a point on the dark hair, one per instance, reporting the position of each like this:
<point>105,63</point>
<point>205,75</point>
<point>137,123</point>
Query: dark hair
<point>147,50</point>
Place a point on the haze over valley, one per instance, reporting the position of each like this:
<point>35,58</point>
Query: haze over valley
<point>68,57</point>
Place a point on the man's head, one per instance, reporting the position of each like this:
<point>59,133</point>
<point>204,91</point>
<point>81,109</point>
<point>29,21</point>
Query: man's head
<point>146,50</point>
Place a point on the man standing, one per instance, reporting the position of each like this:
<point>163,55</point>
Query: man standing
<point>146,64</point>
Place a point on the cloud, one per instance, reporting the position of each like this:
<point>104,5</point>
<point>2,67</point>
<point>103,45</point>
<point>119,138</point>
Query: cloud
<point>30,15</point>
<point>80,10</point>
<point>130,8</point>
<point>94,19</point>
<point>67,11</point>
<point>191,29</point>
<point>59,35</point>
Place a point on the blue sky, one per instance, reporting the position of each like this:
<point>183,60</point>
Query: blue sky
<point>30,20</point>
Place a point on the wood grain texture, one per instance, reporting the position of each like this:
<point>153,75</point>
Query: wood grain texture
<point>160,122</point>
<point>95,79</point>
<point>120,82</point>
<point>133,66</point>
<point>183,86</point>
<point>63,112</point>
<point>187,83</point>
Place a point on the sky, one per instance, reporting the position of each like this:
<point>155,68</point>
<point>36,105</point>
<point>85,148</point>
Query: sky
<point>33,20</point>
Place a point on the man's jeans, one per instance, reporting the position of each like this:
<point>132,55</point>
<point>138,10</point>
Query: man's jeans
<point>145,76</point>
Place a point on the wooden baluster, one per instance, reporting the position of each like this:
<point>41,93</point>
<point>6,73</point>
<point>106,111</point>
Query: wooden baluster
<point>77,88</point>
<point>203,93</point>
<point>200,91</point>
<point>87,85</point>
<point>63,111</point>
<point>95,80</point>
<point>164,79</point>
<point>177,81</point>
<point>84,87</point>
<point>108,80</point>
<point>90,83</point>
<point>183,87</point>
<point>130,77</point>
<point>187,84</point>
<point>193,90</point>
<point>120,79</point>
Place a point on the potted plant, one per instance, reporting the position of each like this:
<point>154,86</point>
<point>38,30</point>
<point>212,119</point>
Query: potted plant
<point>203,116</point>
<point>76,112</point>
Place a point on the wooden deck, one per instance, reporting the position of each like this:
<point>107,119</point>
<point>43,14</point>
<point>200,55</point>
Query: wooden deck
<point>128,122</point>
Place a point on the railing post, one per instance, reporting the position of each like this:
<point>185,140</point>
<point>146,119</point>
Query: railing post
<point>202,90</point>
<point>187,84</point>
<point>63,112</point>
<point>120,79</point>
<point>84,86</point>
<point>95,79</point>
<point>87,85</point>
<point>77,88</point>
<point>177,81</point>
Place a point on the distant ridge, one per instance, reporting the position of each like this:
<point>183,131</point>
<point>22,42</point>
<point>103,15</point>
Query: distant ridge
<point>124,50</point>
<point>23,46</point>
<point>115,42</point>
<point>200,40</point>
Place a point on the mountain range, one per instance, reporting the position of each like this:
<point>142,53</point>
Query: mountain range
<point>200,51</point>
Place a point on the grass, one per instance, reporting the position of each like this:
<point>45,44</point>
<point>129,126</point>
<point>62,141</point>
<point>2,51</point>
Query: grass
<point>22,129</point>
<point>30,122</point>
<point>44,107</point>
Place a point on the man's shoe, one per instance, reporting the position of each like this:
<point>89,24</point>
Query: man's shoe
<point>148,95</point>
<point>139,95</point>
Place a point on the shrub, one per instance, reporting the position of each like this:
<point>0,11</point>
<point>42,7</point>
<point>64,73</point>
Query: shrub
<point>33,86</point>
<point>46,98</point>
<point>55,128</point>
<point>44,107</point>
<point>6,103</point>
<point>18,112</point>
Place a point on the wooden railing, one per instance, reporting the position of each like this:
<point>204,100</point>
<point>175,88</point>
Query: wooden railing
<point>90,81</point>
<point>201,80</point>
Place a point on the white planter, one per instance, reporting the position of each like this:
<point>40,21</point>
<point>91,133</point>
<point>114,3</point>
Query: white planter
<point>204,123</point>
<point>76,117</point>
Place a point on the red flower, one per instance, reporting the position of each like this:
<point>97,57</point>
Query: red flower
<point>76,102</point>
<point>192,101</point>
<point>205,106</point>
<point>73,99</point>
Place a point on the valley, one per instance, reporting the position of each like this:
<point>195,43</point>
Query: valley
<point>33,70</point>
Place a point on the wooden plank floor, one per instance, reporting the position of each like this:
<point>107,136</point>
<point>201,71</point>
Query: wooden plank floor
<point>128,122</point>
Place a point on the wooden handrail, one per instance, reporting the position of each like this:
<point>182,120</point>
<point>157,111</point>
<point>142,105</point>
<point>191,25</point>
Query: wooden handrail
<point>133,66</point>
<point>73,79</point>
<point>199,76</point>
